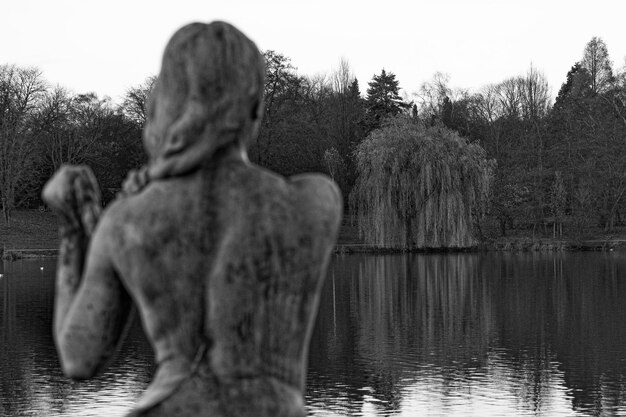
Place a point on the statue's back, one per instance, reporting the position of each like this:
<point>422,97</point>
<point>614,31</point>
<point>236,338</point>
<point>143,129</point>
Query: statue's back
<point>244,251</point>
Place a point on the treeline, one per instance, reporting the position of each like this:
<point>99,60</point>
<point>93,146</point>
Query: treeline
<point>559,164</point>
<point>44,126</point>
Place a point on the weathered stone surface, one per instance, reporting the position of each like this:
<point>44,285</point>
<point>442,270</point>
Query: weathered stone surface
<point>223,260</point>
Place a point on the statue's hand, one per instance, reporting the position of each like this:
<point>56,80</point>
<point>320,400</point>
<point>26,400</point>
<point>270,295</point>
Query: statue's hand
<point>74,194</point>
<point>135,181</point>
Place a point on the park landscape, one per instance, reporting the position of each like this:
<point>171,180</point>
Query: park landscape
<point>504,166</point>
<point>415,329</point>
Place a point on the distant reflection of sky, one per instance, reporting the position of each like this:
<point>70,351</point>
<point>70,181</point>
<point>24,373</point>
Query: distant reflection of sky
<point>493,391</point>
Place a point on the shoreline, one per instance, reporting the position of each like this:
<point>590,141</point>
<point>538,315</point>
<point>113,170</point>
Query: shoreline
<point>501,245</point>
<point>33,234</point>
<point>510,245</point>
<point>17,254</point>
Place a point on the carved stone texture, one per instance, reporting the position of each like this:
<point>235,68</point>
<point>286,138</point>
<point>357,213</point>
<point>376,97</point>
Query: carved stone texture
<point>223,260</point>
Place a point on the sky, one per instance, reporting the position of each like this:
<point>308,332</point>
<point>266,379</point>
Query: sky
<point>110,46</point>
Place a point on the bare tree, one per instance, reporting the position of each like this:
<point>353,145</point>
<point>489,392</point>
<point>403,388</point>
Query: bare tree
<point>534,94</point>
<point>136,101</point>
<point>487,108</point>
<point>54,131</point>
<point>282,84</point>
<point>535,101</point>
<point>21,91</point>
<point>431,95</point>
<point>510,99</point>
<point>597,63</point>
<point>342,77</point>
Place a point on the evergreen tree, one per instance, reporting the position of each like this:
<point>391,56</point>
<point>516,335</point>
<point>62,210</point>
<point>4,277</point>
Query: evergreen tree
<point>357,114</point>
<point>567,86</point>
<point>356,134</point>
<point>383,99</point>
<point>354,91</point>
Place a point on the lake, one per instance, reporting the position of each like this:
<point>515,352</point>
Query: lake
<point>515,334</point>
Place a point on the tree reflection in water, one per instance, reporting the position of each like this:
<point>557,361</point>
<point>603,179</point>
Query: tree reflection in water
<point>429,334</point>
<point>31,382</point>
<point>525,333</point>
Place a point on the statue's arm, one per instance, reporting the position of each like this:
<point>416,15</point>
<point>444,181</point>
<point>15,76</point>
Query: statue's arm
<point>90,319</point>
<point>91,304</point>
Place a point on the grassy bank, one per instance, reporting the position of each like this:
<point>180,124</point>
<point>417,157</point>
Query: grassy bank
<point>30,231</point>
<point>517,240</point>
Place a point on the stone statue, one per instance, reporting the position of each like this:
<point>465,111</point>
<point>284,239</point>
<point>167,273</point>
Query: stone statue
<point>222,260</point>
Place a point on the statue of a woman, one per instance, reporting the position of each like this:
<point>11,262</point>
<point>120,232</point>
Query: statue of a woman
<point>223,260</point>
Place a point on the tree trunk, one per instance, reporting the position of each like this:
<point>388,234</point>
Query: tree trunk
<point>6,213</point>
<point>408,234</point>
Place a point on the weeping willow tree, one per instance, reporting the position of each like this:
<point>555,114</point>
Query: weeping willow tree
<point>419,186</point>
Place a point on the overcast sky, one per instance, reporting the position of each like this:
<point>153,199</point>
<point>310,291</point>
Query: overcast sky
<point>109,46</point>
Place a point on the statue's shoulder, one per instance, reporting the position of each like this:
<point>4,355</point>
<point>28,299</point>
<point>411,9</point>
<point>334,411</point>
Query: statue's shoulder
<point>111,221</point>
<point>317,185</point>
<point>122,218</point>
<point>315,197</point>
<point>122,208</point>
<point>153,197</point>
<point>319,196</point>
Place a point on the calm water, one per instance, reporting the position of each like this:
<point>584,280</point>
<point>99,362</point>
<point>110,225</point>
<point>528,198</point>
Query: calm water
<point>405,335</point>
